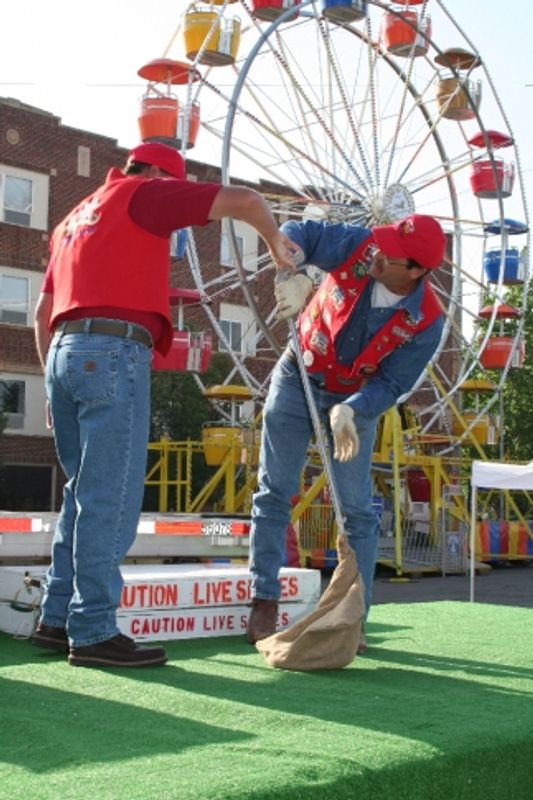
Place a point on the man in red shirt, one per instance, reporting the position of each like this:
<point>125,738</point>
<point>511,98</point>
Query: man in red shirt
<point>103,305</point>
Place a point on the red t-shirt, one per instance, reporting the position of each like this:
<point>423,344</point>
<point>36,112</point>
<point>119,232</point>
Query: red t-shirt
<point>160,206</point>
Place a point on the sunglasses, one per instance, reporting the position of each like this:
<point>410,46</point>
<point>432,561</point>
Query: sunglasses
<point>409,263</point>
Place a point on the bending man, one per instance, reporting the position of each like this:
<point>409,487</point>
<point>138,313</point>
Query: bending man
<point>366,335</point>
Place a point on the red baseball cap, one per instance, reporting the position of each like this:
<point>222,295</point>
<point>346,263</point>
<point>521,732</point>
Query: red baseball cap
<point>418,237</point>
<point>159,155</point>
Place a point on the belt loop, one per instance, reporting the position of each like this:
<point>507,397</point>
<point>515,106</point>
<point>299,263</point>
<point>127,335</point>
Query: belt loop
<point>87,325</point>
<point>129,330</point>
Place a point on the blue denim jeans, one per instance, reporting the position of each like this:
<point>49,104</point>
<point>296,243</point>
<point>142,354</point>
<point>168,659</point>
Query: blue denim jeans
<point>99,393</point>
<point>287,430</point>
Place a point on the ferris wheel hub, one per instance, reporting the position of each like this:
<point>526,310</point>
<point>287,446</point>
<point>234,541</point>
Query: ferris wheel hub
<point>390,205</point>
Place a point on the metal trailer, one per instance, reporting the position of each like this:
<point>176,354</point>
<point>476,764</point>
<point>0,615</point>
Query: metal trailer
<point>26,537</point>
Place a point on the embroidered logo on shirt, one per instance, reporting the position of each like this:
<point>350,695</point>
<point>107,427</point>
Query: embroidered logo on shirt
<point>82,221</point>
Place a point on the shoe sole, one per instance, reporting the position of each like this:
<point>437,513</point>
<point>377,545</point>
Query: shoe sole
<point>109,662</point>
<point>50,644</point>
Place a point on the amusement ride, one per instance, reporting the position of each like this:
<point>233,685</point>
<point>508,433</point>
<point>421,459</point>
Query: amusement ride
<point>362,112</point>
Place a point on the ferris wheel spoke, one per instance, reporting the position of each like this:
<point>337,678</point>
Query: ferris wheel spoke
<point>404,111</point>
<point>314,111</point>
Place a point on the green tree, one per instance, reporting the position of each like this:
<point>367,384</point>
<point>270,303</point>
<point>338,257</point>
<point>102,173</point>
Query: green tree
<point>518,387</point>
<point>518,397</point>
<point>179,410</point>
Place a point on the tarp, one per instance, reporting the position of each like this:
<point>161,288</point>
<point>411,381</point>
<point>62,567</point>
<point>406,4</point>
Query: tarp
<point>494,475</point>
<point>498,475</point>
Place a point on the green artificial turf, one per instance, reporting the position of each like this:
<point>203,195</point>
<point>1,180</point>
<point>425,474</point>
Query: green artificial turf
<point>440,707</point>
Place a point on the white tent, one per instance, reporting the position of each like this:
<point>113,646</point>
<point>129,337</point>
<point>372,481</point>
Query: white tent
<point>494,475</point>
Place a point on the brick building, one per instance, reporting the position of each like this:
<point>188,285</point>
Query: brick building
<point>45,169</point>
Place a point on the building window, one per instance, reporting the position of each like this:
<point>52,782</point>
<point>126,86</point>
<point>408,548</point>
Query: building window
<point>233,332</point>
<point>84,161</point>
<point>17,200</point>
<point>13,403</point>
<point>226,253</point>
<point>23,197</point>
<point>13,300</point>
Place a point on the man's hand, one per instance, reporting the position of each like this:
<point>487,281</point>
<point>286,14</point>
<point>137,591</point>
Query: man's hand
<point>345,439</point>
<point>292,294</point>
<point>283,251</point>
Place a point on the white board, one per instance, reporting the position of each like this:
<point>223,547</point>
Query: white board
<point>162,602</point>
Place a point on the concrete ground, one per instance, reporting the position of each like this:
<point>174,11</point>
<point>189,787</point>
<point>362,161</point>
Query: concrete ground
<point>508,584</point>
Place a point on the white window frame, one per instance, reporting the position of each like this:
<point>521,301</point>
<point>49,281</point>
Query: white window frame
<point>247,244</point>
<point>34,404</point>
<point>8,307</point>
<point>226,254</point>
<point>14,214</point>
<point>233,325</point>
<point>37,215</point>
<point>233,313</point>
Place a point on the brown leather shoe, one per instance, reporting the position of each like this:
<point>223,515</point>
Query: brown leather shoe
<point>262,620</point>
<point>50,637</point>
<point>119,651</point>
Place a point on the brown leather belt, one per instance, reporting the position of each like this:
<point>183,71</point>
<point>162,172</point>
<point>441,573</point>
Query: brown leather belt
<point>106,327</point>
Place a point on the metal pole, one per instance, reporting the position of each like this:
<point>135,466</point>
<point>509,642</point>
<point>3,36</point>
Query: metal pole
<point>317,426</point>
<point>473,515</point>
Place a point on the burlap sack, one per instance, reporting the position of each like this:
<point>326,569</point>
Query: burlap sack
<point>328,637</point>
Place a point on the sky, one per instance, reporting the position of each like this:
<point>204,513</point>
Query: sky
<point>80,61</point>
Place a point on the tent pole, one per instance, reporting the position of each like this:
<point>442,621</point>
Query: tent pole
<point>473,516</point>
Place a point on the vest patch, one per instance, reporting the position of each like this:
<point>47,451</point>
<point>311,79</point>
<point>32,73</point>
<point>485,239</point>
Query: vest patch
<point>319,342</point>
<point>401,333</point>
<point>360,269</point>
<point>336,296</point>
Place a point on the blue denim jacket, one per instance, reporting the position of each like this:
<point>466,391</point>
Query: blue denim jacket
<point>326,246</point>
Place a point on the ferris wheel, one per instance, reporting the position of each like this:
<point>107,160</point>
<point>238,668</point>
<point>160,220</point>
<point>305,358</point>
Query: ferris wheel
<point>365,112</point>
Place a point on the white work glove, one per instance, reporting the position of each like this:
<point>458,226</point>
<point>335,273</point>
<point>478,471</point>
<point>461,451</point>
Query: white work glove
<point>291,295</point>
<point>345,439</point>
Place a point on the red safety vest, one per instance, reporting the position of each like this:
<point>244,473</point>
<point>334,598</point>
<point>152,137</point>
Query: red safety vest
<point>328,312</point>
<point>100,257</point>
